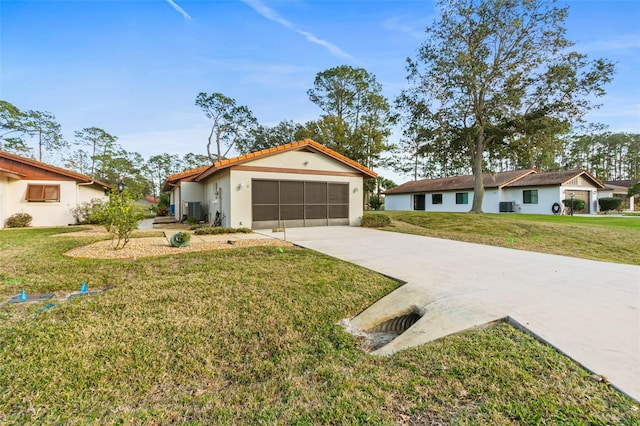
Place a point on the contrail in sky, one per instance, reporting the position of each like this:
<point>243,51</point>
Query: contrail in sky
<point>179,9</point>
<point>272,15</point>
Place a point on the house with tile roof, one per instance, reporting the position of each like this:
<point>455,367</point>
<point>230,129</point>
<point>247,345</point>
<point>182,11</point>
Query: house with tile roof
<point>46,192</point>
<point>298,184</point>
<point>518,191</point>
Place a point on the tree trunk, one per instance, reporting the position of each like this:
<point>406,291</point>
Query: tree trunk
<point>478,185</point>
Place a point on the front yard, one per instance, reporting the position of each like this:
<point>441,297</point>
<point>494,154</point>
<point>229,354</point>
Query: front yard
<point>250,336</point>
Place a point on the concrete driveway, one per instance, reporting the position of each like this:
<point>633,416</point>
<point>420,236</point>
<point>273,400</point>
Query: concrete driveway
<point>588,310</point>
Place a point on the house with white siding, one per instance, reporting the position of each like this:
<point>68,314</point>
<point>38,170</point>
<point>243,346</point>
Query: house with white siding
<point>517,191</point>
<point>46,192</point>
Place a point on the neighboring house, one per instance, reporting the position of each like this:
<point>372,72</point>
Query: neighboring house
<point>46,192</point>
<point>520,191</point>
<point>298,184</point>
<point>620,189</point>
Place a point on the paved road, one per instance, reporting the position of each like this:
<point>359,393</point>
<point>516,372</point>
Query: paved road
<point>586,309</point>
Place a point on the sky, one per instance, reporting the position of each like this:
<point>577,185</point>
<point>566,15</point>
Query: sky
<point>135,67</point>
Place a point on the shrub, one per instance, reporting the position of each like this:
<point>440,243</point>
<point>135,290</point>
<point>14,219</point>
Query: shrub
<point>18,220</point>
<point>91,212</point>
<point>121,218</point>
<point>577,204</point>
<point>610,203</point>
<point>192,220</point>
<point>221,230</point>
<point>376,202</point>
<point>375,220</point>
<point>164,202</point>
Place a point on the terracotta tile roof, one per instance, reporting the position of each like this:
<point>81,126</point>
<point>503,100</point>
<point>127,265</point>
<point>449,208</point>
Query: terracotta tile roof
<point>202,172</point>
<point>48,167</point>
<point>555,178</point>
<point>187,173</point>
<point>454,183</point>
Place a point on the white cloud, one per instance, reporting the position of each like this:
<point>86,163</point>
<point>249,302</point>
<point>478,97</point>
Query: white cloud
<point>272,15</point>
<point>179,9</point>
<point>623,42</point>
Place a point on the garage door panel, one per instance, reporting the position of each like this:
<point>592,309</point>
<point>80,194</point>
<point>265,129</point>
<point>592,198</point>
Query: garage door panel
<point>316,211</point>
<point>264,192</point>
<point>291,192</point>
<point>265,212</point>
<point>338,211</point>
<point>290,212</point>
<point>338,193</point>
<point>316,192</point>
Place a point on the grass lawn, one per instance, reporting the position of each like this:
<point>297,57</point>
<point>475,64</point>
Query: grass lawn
<point>611,239</point>
<point>249,336</point>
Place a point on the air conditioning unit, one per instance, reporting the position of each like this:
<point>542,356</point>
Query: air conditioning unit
<point>507,206</point>
<point>193,209</point>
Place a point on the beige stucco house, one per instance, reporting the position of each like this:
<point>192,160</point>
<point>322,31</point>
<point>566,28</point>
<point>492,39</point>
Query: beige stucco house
<point>46,192</point>
<point>299,184</point>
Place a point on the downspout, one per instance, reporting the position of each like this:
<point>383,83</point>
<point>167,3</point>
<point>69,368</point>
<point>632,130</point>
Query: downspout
<point>78,191</point>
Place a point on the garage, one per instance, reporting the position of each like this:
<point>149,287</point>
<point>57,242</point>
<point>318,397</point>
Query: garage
<point>582,195</point>
<point>298,184</point>
<point>298,203</point>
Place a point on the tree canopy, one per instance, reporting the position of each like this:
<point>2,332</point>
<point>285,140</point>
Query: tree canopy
<point>357,118</point>
<point>498,75</point>
<point>230,122</point>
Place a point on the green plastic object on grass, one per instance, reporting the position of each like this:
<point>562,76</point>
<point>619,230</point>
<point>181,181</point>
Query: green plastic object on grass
<point>180,239</point>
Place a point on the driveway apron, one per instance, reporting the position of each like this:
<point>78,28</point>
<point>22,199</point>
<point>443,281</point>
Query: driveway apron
<point>588,310</point>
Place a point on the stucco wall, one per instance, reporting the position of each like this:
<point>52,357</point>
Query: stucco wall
<point>547,196</point>
<point>216,197</point>
<point>240,187</point>
<point>405,202</point>
<point>306,161</point>
<point>3,199</point>
<point>47,213</point>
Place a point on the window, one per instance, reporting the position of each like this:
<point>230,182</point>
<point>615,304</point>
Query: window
<point>462,198</point>
<point>418,202</point>
<point>436,198</point>
<point>530,196</point>
<point>43,192</point>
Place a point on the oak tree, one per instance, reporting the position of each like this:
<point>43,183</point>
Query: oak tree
<point>495,72</point>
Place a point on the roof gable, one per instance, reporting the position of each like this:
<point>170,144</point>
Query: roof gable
<point>557,178</point>
<point>303,145</point>
<point>27,168</point>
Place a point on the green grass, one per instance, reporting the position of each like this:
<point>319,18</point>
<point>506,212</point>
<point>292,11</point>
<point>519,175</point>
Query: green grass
<point>611,239</point>
<point>249,336</point>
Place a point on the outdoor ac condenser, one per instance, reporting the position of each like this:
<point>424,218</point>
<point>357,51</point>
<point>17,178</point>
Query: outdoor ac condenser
<point>507,206</point>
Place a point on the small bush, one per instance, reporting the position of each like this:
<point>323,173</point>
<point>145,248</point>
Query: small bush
<point>375,220</point>
<point>90,212</point>
<point>221,230</point>
<point>577,204</point>
<point>610,203</point>
<point>192,220</point>
<point>18,220</point>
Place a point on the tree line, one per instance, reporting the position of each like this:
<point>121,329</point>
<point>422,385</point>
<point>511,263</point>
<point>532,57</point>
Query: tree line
<point>93,152</point>
<point>495,86</point>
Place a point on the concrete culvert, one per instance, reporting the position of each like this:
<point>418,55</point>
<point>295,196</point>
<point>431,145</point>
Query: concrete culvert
<point>397,325</point>
<point>384,332</point>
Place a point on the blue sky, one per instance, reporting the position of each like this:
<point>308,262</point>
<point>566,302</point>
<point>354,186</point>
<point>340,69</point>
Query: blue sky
<point>135,67</point>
